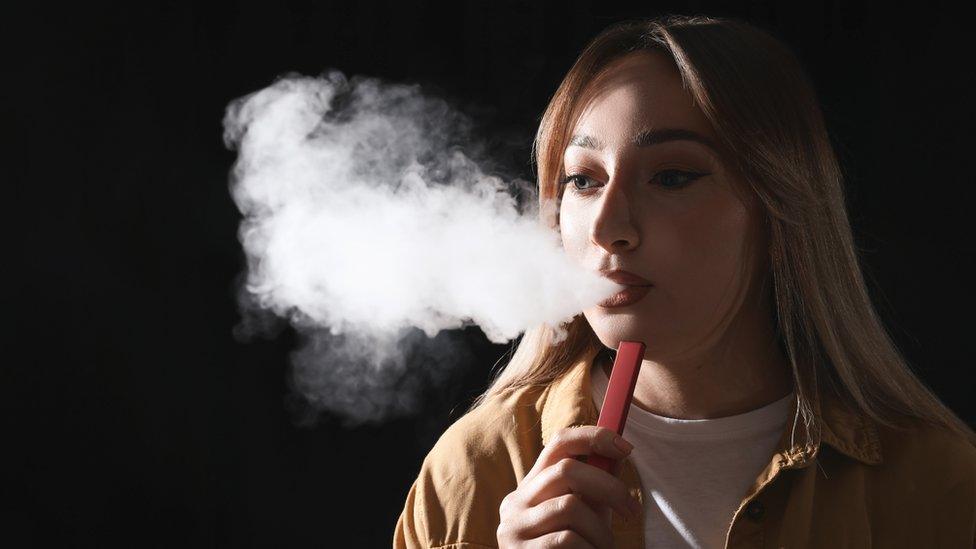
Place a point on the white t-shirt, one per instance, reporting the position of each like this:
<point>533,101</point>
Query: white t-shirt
<point>695,472</point>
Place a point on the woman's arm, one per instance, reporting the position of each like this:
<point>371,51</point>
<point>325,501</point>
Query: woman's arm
<point>411,527</point>
<point>454,501</point>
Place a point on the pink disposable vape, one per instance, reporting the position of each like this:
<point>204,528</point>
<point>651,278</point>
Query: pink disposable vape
<point>620,392</point>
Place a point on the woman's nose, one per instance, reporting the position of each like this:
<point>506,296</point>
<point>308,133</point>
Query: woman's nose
<point>613,227</point>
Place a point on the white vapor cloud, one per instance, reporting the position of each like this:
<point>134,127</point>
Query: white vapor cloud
<point>364,220</point>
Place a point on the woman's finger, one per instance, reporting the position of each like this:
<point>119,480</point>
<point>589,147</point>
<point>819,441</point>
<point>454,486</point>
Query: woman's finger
<point>570,476</point>
<point>568,512</point>
<point>565,539</point>
<point>580,441</point>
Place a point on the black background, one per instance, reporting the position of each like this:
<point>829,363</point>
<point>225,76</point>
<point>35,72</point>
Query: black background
<point>134,418</point>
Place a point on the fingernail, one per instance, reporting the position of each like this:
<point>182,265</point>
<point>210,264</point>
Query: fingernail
<point>624,446</point>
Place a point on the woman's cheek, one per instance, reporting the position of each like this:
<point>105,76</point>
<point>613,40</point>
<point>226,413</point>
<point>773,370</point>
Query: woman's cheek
<point>572,231</point>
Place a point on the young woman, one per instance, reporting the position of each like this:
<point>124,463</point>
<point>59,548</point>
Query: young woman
<point>687,159</point>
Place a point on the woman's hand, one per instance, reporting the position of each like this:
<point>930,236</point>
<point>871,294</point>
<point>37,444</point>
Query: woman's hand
<point>563,502</point>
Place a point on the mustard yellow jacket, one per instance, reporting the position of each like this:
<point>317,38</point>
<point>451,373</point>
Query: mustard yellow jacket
<point>861,485</point>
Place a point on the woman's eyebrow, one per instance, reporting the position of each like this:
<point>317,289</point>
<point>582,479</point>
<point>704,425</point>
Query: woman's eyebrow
<point>646,138</point>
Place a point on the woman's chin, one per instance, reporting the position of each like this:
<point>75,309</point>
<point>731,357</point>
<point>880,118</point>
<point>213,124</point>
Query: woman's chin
<point>611,333</point>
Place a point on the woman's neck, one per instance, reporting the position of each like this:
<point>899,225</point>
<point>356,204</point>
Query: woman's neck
<point>742,372</point>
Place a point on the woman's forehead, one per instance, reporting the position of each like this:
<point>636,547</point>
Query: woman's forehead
<point>641,91</point>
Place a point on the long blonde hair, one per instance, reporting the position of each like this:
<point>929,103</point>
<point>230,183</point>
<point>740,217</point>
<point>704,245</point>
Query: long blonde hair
<point>766,115</point>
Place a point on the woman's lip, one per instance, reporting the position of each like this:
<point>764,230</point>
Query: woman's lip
<point>627,296</point>
<point>626,278</point>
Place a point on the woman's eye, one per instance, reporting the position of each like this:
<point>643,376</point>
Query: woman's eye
<point>669,179</point>
<point>579,181</point>
<point>672,179</point>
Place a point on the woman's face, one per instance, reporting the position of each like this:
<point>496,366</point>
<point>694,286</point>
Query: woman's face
<point>645,193</point>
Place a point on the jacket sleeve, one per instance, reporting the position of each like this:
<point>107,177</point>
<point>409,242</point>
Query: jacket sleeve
<point>953,506</point>
<point>476,462</point>
<point>956,512</point>
<point>454,501</point>
<point>411,528</point>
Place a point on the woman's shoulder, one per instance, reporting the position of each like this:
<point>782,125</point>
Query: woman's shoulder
<point>478,461</point>
<point>501,433</point>
<point>927,457</point>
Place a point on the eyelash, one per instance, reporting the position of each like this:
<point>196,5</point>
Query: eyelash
<point>692,176</point>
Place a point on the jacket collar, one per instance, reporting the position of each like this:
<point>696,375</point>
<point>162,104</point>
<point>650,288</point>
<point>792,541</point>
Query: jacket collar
<point>570,403</point>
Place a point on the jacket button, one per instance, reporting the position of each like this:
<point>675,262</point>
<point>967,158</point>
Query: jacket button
<point>755,510</point>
